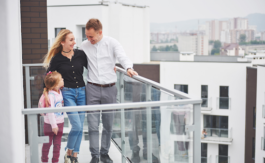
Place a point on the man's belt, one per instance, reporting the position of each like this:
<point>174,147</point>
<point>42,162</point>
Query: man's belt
<point>103,85</point>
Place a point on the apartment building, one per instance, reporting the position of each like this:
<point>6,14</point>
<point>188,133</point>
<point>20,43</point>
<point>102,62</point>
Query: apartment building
<point>223,113</point>
<point>229,31</point>
<point>129,24</point>
<point>193,42</point>
<point>235,35</point>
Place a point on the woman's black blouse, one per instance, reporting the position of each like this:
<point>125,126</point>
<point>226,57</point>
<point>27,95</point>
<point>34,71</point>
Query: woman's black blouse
<point>71,70</point>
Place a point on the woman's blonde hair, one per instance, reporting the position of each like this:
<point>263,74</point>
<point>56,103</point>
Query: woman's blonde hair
<point>52,79</point>
<point>56,47</point>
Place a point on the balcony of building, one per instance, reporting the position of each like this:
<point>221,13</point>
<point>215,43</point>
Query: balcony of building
<point>222,159</point>
<point>217,136</point>
<point>223,103</point>
<point>164,124</point>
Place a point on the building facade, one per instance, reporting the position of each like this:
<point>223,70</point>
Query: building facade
<point>128,24</point>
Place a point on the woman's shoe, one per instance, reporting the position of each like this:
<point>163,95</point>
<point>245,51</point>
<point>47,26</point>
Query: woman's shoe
<point>67,159</point>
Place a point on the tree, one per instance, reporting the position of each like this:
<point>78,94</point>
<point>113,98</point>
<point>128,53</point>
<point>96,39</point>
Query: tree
<point>217,44</point>
<point>242,38</point>
<point>154,49</point>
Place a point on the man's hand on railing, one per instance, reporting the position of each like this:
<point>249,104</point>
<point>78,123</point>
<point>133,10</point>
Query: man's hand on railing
<point>55,130</point>
<point>131,73</point>
<point>46,97</point>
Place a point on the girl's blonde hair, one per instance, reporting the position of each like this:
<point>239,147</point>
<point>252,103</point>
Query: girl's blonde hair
<point>56,47</point>
<point>52,79</point>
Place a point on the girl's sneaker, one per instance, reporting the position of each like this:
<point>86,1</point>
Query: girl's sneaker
<point>74,160</point>
<point>67,159</point>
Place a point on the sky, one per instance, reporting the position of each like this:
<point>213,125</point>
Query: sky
<point>162,11</point>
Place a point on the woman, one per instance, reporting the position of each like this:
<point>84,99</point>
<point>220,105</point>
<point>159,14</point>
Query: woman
<point>63,58</point>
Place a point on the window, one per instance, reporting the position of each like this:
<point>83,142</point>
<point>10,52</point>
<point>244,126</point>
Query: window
<point>182,88</point>
<point>216,126</point>
<point>84,33</point>
<point>204,95</point>
<point>204,152</point>
<point>223,153</point>
<point>57,30</point>
<point>224,97</point>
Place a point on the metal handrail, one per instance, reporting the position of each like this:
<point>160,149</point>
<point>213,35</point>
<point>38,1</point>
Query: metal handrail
<point>104,107</point>
<point>157,85</point>
<point>142,79</point>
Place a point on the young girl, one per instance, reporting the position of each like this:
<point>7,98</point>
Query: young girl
<point>53,122</point>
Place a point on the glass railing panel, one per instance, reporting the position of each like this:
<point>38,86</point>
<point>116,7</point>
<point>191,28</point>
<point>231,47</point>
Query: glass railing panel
<point>75,130</point>
<point>206,104</point>
<point>37,75</point>
<point>224,103</point>
<point>222,159</point>
<point>135,91</point>
<point>217,134</point>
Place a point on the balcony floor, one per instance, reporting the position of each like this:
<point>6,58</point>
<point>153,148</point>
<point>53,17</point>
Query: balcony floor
<point>83,157</point>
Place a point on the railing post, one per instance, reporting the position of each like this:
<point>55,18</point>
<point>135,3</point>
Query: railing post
<point>27,87</point>
<point>33,138</point>
<point>149,125</point>
<point>123,146</point>
<point>197,133</point>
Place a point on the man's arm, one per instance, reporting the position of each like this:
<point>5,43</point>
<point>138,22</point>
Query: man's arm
<point>123,59</point>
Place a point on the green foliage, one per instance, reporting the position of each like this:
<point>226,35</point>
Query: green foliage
<point>254,42</point>
<point>154,49</point>
<point>165,48</point>
<point>215,52</point>
<point>217,44</point>
<point>216,48</point>
<point>242,38</point>
<point>211,42</point>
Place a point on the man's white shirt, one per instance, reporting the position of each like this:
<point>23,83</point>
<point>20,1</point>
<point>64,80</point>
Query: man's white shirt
<point>102,58</point>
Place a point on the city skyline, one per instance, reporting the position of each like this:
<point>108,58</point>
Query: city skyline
<point>170,11</point>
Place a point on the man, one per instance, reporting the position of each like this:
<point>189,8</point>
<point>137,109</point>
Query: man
<point>102,52</point>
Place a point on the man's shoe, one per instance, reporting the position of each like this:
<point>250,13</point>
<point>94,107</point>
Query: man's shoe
<point>135,157</point>
<point>74,160</point>
<point>94,160</point>
<point>67,159</point>
<point>105,158</point>
<point>154,158</point>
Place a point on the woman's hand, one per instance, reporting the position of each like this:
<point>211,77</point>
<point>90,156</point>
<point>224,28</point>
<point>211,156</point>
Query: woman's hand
<point>55,130</point>
<point>46,97</point>
<point>115,69</point>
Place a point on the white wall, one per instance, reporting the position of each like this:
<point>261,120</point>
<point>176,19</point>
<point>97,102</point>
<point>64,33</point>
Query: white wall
<point>214,75</point>
<point>12,132</point>
<point>260,154</point>
<point>129,25</point>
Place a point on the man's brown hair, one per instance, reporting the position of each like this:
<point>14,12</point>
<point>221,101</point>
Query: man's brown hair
<point>95,24</point>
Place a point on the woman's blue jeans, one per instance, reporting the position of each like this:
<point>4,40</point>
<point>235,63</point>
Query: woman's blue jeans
<point>75,97</point>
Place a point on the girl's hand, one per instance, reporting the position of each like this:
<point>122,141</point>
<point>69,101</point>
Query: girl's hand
<point>55,130</point>
<point>115,69</point>
<point>46,97</point>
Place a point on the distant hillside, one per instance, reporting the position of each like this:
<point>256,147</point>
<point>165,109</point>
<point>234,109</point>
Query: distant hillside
<point>254,19</point>
<point>258,20</point>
